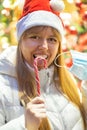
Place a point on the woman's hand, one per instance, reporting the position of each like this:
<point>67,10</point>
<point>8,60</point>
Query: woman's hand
<point>34,113</point>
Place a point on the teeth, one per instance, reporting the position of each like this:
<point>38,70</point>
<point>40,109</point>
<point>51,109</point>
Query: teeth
<point>44,56</point>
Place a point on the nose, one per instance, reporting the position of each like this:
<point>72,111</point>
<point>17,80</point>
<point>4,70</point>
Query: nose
<point>44,44</point>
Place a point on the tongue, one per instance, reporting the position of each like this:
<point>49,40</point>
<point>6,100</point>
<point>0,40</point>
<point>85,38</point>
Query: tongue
<point>41,62</point>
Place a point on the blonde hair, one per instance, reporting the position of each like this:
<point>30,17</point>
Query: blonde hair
<point>69,86</point>
<point>27,83</point>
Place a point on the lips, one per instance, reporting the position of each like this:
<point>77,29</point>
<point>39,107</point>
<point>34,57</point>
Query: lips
<point>43,56</point>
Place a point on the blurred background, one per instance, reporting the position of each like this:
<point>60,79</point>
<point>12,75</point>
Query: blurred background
<point>74,17</point>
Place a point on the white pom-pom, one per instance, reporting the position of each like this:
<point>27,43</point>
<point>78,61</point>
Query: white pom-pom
<point>57,5</point>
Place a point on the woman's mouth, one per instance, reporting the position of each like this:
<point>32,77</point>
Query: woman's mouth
<point>41,61</point>
<point>40,56</point>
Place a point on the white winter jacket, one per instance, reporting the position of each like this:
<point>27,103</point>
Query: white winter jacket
<point>62,114</point>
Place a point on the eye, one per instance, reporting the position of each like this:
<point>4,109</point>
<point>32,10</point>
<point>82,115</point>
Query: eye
<point>34,37</point>
<point>52,40</point>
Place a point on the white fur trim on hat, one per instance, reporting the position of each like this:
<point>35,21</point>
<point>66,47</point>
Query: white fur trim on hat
<point>39,18</point>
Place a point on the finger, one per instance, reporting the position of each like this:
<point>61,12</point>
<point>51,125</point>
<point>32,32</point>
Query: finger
<point>31,106</point>
<point>40,115</point>
<point>39,110</point>
<point>37,100</point>
<point>36,109</point>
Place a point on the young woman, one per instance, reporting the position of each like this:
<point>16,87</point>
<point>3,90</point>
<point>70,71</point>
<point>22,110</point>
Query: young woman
<point>59,106</point>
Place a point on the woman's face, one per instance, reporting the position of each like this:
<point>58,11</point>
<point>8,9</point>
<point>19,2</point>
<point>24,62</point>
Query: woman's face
<point>39,41</point>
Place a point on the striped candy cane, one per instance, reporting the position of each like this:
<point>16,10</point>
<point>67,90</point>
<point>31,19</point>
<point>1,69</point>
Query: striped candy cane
<point>36,71</point>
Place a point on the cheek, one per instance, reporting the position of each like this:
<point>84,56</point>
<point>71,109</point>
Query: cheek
<point>54,50</point>
<point>28,44</point>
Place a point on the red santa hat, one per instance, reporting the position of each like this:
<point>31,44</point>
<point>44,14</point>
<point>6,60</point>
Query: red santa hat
<point>40,13</point>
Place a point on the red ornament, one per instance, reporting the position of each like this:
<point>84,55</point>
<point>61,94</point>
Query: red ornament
<point>83,39</point>
<point>78,3</point>
<point>72,30</point>
<point>84,17</point>
<point>69,62</point>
